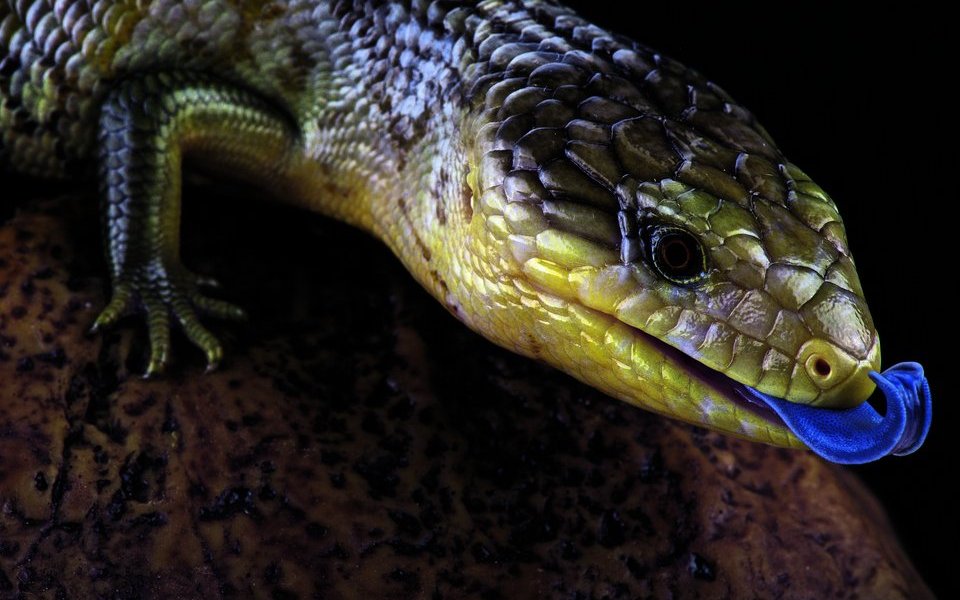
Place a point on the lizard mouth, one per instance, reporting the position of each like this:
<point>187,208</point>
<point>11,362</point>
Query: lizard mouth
<point>848,436</point>
<point>732,391</point>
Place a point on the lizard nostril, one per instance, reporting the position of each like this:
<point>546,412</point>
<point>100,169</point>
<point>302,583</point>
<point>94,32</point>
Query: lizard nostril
<point>822,367</point>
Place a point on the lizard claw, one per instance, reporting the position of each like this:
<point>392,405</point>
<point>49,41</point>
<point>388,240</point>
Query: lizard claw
<point>207,282</point>
<point>115,309</point>
<point>158,330</point>
<point>201,337</point>
<point>156,366</point>
<point>219,308</point>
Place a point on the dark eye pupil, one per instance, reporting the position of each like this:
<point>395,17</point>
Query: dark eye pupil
<point>677,254</point>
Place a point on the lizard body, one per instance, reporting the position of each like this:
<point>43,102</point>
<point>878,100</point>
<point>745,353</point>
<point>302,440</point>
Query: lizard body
<point>568,193</point>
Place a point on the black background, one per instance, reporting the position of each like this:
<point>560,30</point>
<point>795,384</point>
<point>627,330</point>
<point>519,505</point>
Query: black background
<point>860,102</point>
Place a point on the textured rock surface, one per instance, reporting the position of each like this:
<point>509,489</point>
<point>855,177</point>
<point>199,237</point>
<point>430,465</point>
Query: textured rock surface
<point>360,443</point>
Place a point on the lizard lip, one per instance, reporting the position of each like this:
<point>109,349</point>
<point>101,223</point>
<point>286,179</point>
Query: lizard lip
<point>733,391</point>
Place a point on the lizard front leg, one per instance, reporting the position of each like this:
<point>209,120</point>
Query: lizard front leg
<point>147,125</point>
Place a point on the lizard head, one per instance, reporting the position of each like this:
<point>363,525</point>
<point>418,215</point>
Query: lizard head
<point>659,245</point>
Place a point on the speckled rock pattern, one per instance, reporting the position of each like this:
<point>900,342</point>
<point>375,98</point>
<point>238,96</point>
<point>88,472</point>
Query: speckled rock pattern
<point>361,443</point>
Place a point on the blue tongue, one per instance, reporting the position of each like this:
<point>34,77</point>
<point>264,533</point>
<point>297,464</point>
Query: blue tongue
<point>859,435</point>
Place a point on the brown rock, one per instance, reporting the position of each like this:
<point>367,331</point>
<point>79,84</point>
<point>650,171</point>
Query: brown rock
<point>359,443</point>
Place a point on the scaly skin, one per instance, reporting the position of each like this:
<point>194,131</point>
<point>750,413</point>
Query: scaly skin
<point>515,157</point>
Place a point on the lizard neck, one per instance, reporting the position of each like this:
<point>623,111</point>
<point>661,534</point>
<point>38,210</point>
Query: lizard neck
<point>391,148</point>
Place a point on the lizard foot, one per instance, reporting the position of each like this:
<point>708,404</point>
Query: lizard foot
<point>162,293</point>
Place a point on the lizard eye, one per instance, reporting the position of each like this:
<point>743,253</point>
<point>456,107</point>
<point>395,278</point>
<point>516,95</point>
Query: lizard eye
<point>676,254</point>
